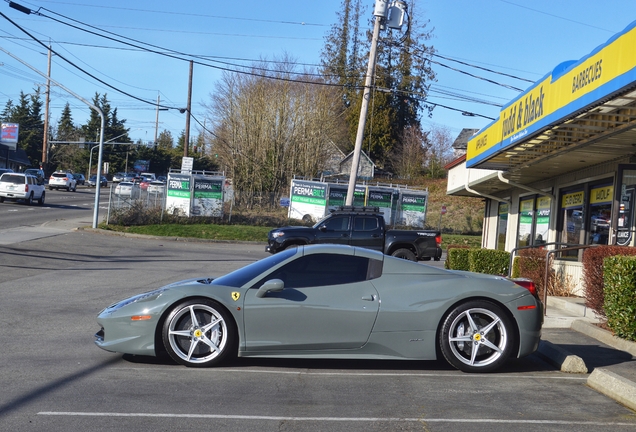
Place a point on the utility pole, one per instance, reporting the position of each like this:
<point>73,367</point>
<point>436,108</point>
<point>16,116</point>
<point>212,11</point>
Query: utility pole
<point>186,144</point>
<point>45,140</point>
<point>382,11</point>
<point>156,124</point>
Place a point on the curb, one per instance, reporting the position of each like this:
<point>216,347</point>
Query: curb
<point>616,387</point>
<point>604,336</point>
<point>561,358</point>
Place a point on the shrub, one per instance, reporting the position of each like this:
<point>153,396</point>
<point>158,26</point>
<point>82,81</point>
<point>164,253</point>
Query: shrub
<point>532,266</point>
<point>619,277</point>
<point>448,262</point>
<point>458,258</point>
<point>489,261</point>
<point>593,274</point>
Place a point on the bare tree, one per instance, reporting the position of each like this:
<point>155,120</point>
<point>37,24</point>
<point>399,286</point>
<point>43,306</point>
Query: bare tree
<point>267,129</point>
<point>440,151</point>
<point>408,161</point>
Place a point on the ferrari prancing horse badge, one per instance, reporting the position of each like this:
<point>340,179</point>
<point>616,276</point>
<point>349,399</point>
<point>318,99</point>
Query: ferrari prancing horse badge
<point>236,295</point>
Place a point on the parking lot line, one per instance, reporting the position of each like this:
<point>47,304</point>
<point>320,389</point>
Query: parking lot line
<point>337,419</point>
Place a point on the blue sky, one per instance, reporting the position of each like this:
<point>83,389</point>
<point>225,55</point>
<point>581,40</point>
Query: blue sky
<point>520,38</point>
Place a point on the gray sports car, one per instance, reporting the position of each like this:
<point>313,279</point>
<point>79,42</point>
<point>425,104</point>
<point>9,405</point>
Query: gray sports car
<point>331,301</point>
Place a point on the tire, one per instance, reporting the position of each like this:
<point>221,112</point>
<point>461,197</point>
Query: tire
<point>404,254</point>
<point>29,200</point>
<point>50,187</point>
<point>1,199</point>
<point>188,343</point>
<point>437,259</point>
<point>480,324</point>
<point>75,188</point>
<point>41,200</point>
<point>68,188</point>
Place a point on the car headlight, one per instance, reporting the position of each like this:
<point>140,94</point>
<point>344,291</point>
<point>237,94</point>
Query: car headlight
<point>277,234</point>
<point>150,295</point>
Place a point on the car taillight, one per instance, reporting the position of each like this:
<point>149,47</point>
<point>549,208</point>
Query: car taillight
<point>438,239</point>
<point>527,284</point>
<point>26,187</point>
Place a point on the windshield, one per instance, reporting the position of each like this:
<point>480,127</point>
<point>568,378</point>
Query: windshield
<point>240,277</point>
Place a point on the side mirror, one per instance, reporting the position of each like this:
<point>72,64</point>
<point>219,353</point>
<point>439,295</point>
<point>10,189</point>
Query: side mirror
<point>322,228</point>
<point>274,285</point>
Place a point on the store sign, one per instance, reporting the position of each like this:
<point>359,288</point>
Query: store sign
<point>568,89</point>
<point>602,195</point>
<point>9,136</point>
<point>573,199</point>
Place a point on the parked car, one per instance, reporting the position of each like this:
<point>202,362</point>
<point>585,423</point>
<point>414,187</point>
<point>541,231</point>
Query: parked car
<point>144,182</point>
<point>20,186</point>
<point>127,190</point>
<point>119,177</point>
<point>5,170</point>
<point>37,173</point>
<point>156,187</point>
<point>92,182</point>
<point>128,177</point>
<point>360,226</point>
<point>80,179</point>
<point>331,301</point>
<point>62,180</point>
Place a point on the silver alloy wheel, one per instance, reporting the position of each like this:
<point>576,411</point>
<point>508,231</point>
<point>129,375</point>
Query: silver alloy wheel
<point>197,333</point>
<point>478,337</point>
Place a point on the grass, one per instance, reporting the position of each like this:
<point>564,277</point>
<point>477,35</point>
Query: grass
<point>243,233</point>
<point>201,231</point>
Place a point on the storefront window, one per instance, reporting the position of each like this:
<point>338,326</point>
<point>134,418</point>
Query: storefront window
<point>542,220</point>
<point>502,227</point>
<point>526,220</point>
<point>572,210</point>
<point>600,214</point>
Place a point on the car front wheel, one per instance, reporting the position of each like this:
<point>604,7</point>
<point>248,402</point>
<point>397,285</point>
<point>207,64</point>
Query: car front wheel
<point>199,333</point>
<point>477,336</point>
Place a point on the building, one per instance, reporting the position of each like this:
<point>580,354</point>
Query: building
<point>559,164</point>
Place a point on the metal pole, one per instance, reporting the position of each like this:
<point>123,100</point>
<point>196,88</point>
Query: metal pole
<point>156,127</point>
<point>186,143</point>
<point>45,140</point>
<point>363,111</point>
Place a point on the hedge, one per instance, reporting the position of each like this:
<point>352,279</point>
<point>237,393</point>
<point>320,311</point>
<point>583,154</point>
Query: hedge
<point>619,278</point>
<point>489,261</point>
<point>593,274</point>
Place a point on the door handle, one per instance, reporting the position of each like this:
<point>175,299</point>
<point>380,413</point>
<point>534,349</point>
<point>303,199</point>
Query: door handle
<point>369,297</point>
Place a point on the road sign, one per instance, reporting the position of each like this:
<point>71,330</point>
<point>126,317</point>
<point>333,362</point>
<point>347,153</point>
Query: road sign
<point>443,209</point>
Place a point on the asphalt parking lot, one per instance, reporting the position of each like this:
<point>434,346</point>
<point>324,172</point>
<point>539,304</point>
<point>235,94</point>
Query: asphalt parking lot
<point>54,378</point>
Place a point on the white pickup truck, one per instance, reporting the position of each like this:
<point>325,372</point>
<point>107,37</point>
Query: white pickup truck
<point>20,186</point>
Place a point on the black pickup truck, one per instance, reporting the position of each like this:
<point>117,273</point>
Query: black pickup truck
<point>360,226</point>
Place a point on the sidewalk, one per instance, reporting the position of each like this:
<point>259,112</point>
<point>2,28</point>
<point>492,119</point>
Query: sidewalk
<point>572,342</point>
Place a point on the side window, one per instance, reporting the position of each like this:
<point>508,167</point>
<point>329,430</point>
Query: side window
<point>325,269</point>
<point>365,223</point>
<point>338,223</point>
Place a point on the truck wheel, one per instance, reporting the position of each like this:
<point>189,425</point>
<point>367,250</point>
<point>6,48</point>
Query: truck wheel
<point>404,254</point>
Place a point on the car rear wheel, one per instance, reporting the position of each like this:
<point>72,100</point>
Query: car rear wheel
<point>477,336</point>
<point>404,254</point>
<point>199,333</point>
<point>41,200</point>
<point>29,199</point>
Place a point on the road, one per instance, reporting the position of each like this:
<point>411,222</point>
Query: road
<point>53,377</point>
<point>57,205</point>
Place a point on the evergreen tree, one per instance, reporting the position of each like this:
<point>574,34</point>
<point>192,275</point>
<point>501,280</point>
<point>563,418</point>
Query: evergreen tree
<point>7,112</point>
<point>66,130</point>
<point>402,74</point>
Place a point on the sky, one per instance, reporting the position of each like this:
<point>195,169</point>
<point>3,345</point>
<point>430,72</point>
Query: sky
<point>476,42</point>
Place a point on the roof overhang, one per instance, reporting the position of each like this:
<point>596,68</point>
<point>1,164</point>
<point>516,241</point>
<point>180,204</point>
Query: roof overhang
<point>581,114</point>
